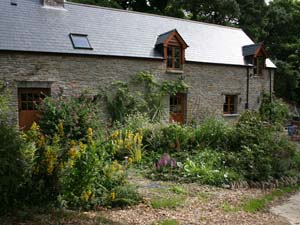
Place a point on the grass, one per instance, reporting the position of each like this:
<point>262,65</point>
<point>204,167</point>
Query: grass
<point>167,222</point>
<point>167,202</point>
<point>227,207</point>
<point>178,189</point>
<point>204,196</point>
<point>257,204</point>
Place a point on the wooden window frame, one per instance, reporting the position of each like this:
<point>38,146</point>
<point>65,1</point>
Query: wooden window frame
<point>258,66</point>
<point>230,98</point>
<point>173,57</point>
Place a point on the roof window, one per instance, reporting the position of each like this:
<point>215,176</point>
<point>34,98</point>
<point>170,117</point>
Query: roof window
<point>80,41</point>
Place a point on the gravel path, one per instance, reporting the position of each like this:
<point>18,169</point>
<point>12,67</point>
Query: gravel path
<point>289,210</point>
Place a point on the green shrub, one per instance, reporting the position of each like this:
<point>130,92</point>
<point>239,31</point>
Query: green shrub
<point>261,153</point>
<point>176,137</point>
<point>277,112</point>
<point>76,113</point>
<point>13,167</point>
<point>213,133</point>
<point>171,138</point>
<point>153,138</point>
<point>75,174</point>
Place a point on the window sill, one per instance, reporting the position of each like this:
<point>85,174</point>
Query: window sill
<point>176,71</point>
<point>231,115</point>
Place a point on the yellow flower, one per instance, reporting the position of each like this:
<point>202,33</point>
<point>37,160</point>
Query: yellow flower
<point>72,153</point>
<point>72,143</point>
<point>129,161</point>
<point>113,196</point>
<point>82,147</point>
<point>42,141</point>
<point>50,159</point>
<point>61,128</point>
<point>87,195</point>
<point>71,163</point>
<point>90,134</point>
<point>55,139</point>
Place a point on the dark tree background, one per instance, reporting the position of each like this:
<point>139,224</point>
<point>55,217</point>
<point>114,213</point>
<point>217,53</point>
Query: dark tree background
<point>277,24</point>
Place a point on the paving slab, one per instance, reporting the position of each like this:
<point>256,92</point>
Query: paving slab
<point>290,209</point>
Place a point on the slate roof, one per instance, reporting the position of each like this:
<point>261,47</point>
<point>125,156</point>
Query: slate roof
<point>250,49</point>
<point>31,27</point>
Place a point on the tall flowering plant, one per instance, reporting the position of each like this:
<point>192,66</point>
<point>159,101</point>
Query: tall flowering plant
<point>128,143</point>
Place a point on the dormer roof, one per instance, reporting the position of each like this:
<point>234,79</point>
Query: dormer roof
<point>164,38</point>
<point>255,50</point>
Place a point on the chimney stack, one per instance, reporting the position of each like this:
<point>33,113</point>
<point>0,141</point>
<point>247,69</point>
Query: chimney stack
<point>54,3</point>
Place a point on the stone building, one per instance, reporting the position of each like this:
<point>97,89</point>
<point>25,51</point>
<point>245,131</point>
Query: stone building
<point>51,45</point>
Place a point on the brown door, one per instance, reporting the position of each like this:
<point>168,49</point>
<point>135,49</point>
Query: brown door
<point>177,108</point>
<point>29,98</point>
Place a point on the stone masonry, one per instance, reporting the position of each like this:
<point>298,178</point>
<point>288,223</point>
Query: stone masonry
<point>73,74</point>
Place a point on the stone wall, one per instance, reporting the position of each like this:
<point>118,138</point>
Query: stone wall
<point>74,74</point>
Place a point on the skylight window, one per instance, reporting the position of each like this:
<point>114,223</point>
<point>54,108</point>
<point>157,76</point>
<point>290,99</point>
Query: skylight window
<point>80,41</point>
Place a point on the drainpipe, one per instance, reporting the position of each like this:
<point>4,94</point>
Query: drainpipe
<point>247,90</point>
<point>270,76</point>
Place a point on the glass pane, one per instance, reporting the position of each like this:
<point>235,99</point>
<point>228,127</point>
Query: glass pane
<point>177,63</point>
<point>169,64</point>
<point>177,109</point>
<point>24,106</point>
<point>36,97</point>
<point>232,109</point>
<point>30,96</point>
<point>177,52</point>
<point>80,41</point>
<point>23,97</point>
<point>30,105</point>
<point>225,109</point>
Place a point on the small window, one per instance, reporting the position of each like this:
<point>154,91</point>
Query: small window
<point>230,104</point>
<point>80,41</point>
<point>174,58</point>
<point>259,64</point>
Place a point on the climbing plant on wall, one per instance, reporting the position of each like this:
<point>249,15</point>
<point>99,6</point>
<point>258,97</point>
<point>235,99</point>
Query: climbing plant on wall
<point>143,93</point>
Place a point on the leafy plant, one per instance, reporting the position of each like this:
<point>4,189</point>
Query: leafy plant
<point>76,113</point>
<point>14,168</point>
<point>213,133</point>
<point>275,111</point>
<point>146,96</point>
<point>126,143</point>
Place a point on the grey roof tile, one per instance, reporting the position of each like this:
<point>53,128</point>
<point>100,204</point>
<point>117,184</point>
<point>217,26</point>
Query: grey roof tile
<point>32,27</point>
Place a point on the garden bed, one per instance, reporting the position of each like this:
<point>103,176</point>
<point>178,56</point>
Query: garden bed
<point>175,203</point>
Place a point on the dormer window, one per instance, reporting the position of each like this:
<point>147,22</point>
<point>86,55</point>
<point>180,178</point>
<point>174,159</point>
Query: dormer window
<point>259,65</point>
<point>256,55</point>
<point>172,46</point>
<point>174,57</point>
